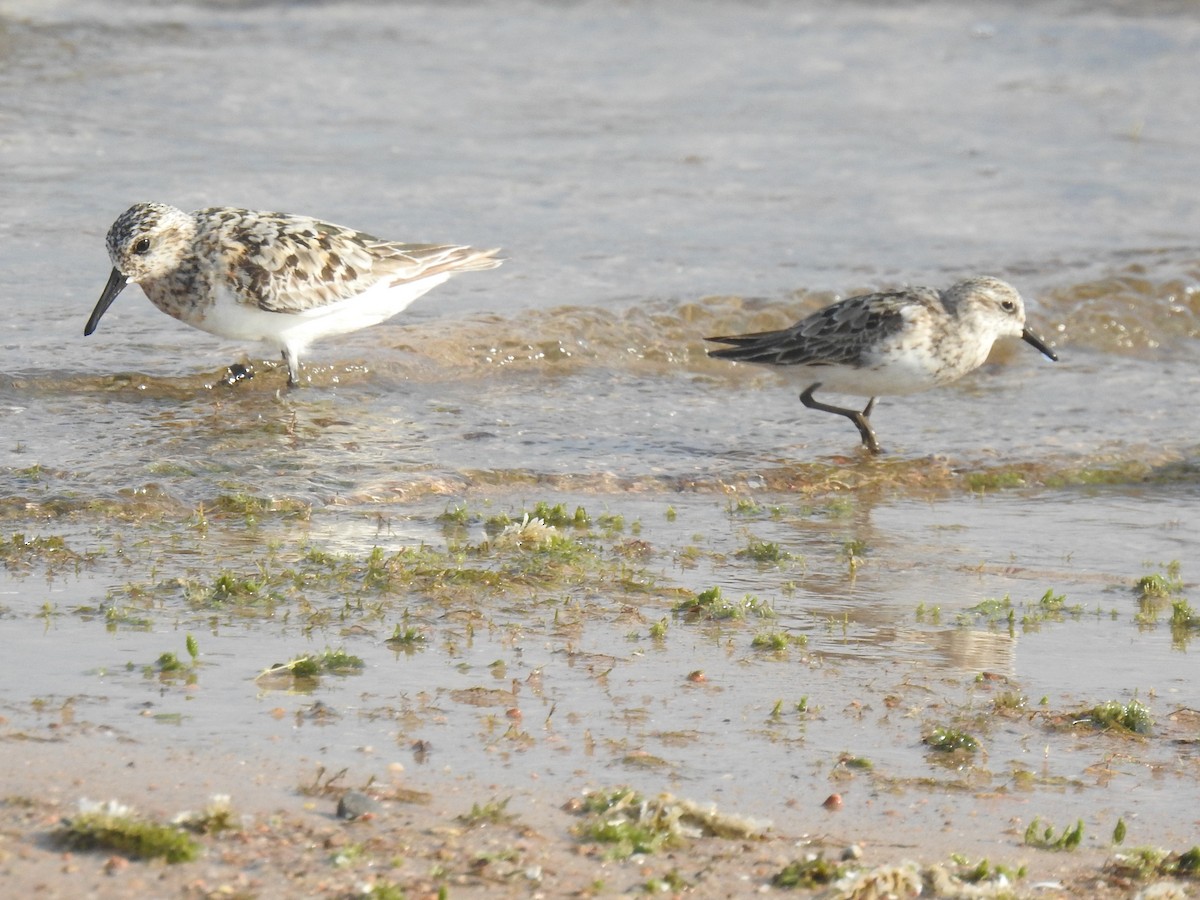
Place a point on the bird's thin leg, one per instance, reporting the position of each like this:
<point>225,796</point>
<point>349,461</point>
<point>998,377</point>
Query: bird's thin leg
<point>860,419</point>
<point>293,366</point>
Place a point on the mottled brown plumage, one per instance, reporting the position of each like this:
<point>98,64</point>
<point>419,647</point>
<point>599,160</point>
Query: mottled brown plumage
<point>287,280</point>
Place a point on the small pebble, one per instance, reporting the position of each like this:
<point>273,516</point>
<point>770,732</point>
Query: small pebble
<point>115,865</point>
<point>354,805</point>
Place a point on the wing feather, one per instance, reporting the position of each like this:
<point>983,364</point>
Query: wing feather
<point>291,264</point>
<point>840,334</point>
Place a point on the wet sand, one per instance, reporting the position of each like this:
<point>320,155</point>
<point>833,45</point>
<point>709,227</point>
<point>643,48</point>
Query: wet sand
<point>538,673</point>
<point>289,841</point>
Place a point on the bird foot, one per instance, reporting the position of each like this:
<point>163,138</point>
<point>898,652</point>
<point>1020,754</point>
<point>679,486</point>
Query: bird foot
<point>237,372</point>
<point>871,445</point>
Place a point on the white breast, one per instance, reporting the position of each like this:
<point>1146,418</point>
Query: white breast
<point>230,319</point>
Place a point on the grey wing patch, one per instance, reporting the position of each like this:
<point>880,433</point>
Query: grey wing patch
<point>291,264</point>
<point>836,335</point>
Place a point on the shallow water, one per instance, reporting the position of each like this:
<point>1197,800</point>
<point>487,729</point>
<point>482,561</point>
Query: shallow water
<point>656,173</point>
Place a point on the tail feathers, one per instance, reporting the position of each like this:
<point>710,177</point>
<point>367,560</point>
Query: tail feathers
<point>742,340</point>
<point>746,354</point>
<point>472,260</point>
<point>412,262</point>
<point>762,346</point>
<point>449,258</point>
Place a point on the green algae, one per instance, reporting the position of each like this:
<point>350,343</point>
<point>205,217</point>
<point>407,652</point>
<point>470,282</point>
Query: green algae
<point>1130,718</point>
<point>122,832</point>
<point>712,605</point>
<point>310,666</point>
<point>1043,836</point>
<point>1161,585</point>
<point>217,816</point>
<point>807,874</point>
<point>21,552</point>
<point>1030,615</point>
<point>491,812</point>
<point>1146,863</point>
<point>776,641</point>
<point>766,552</point>
<point>630,823</point>
<point>950,740</point>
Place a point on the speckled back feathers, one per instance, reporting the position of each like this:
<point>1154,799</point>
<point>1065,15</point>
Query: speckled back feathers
<point>286,280</point>
<point>274,261</point>
<point>855,331</point>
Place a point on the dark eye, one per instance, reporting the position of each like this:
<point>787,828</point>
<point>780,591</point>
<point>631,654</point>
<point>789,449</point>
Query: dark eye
<point>142,246</point>
<point>1008,306</point>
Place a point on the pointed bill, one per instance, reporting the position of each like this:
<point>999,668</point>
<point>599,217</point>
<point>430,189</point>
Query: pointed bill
<point>1032,339</point>
<point>116,284</point>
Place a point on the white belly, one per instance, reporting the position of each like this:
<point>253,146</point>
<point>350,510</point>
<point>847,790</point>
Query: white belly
<point>228,318</point>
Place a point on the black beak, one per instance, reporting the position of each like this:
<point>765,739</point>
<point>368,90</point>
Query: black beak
<point>116,284</point>
<point>1026,335</point>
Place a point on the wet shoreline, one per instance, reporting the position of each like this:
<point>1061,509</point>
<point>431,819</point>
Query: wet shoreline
<point>748,610</point>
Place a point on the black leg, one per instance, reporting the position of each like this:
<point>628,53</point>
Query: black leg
<point>238,372</point>
<point>860,419</point>
<point>293,367</point>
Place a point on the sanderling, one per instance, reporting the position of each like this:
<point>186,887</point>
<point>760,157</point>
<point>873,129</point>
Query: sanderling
<point>266,276</point>
<point>896,342</point>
